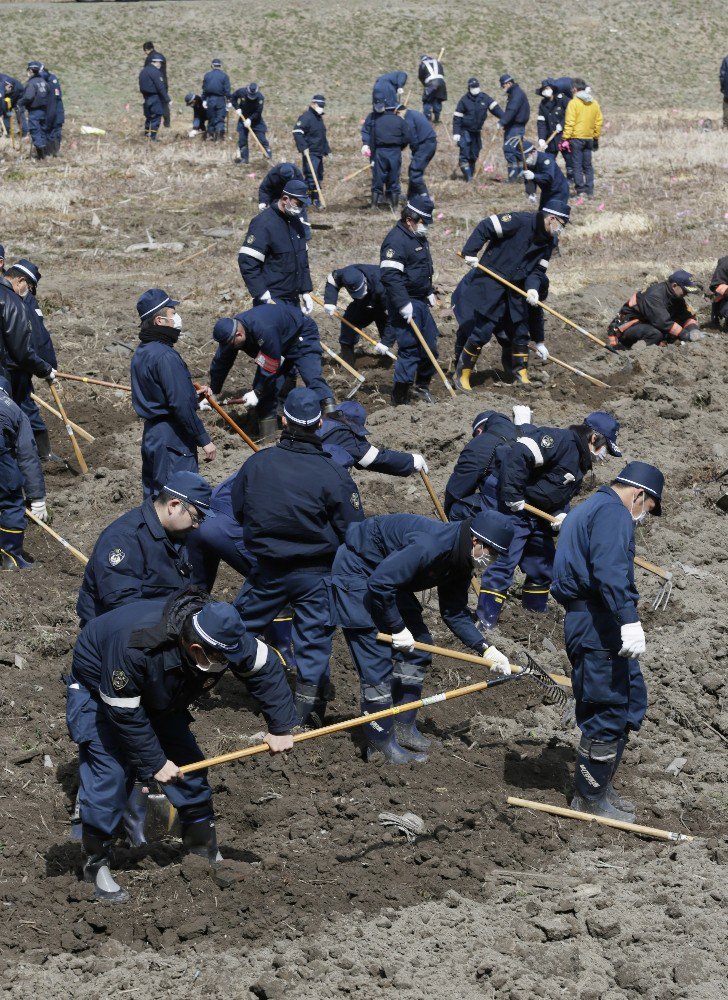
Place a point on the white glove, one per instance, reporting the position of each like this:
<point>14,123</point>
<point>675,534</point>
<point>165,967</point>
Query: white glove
<point>246,122</point>
<point>329,309</point>
<point>522,415</point>
<point>228,106</point>
<point>265,297</point>
<point>542,144</point>
<point>250,398</point>
<point>307,307</point>
<point>51,376</point>
<point>403,640</point>
<point>456,138</point>
<point>366,151</point>
<point>471,261</point>
<point>557,522</point>
<point>204,105</point>
<point>633,640</point>
<point>559,128</point>
<point>420,463</point>
<point>261,206</point>
<point>542,351</point>
<point>533,198</point>
<point>516,505</point>
<point>381,348</point>
<point>407,312</point>
<point>238,112</point>
<point>432,300</point>
<point>400,91</point>
<point>38,507</point>
<point>203,405</point>
<point>497,661</point>
<point>192,133</point>
<point>532,297</point>
<point>528,175</point>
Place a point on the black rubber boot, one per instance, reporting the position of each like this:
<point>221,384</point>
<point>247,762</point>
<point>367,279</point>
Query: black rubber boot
<point>310,701</point>
<point>380,735</point>
<point>407,682</point>
<point>422,391</point>
<point>346,353</point>
<point>400,393</point>
<point>135,815</point>
<point>613,796</point>
<point>268,429</point>
<point>595,763</point>
<point>96,869</point>
<point>201,838</point>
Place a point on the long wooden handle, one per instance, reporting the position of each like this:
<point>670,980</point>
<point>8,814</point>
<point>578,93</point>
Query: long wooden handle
<point>576,371</point>
<point>645,831</point>
<point>258,143</point>
<point>93,381</point>
<point>344,364</point>
<point>197,253</point>
<point>360,720</point>
<point>431,356</point>
<point>351,326</point>
<point>69,430</point>
<point>78,429</point>
<point>66,545</point>
<point>350,177</point>
<point>553,135</point>
<point>228,419</point>
<point>315,178</point>
<point>433,496</point>
<point>664,574</point>
<point>548,309</point>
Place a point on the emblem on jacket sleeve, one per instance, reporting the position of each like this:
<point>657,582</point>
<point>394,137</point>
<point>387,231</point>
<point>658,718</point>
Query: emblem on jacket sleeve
<point>389,253</point>
<point>547,441</point>
<point>355,501</point>
<point>119,680</point>
<point>250,239</point>
<point>116,556</point>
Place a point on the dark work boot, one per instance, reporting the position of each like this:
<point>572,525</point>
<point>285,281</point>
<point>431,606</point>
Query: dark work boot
<point>201,838</point>
<point>613,796</point>
<point>380,735</point>
<point>11,550</point>
<point>422,391</point>
<point>346,353</point>
<point>594,769</point>
<point>520,367</point>
<point>96,868</point>
<point>535,600</point>
<point>310,702</point>
<point>135,815</point>
<point>407,681</point>
<point>268,429</point>
<point>400,393</point>
<point>43,444</point>
<point>490,606</point>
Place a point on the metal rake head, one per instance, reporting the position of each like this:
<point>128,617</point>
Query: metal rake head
<point>662,596</point>
<point>555,695</point>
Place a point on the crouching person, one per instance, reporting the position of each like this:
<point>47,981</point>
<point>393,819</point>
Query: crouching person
<point>134,673</point>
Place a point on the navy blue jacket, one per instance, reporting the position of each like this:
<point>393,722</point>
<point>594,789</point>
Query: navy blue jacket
<point>161,58</point>
<point>471,112</point>
<point>386,87</point>
<point>406,267</point>
<point>137,671</point>
<point>375,297</point>
<point>408,552</point>
<point>309,133</point>
<point>161,388</point>
<point>271,334</point>
<point>549,177</point>
<point>16,335</point>
<point>519,248</point>
<point>252,108</point>
<point>420,128</point>
<point>477,458</point>
<point>724,76</point>
<point>271,187</point>
<point>352,438</point>
<point>368,125</point>
<point>16,438</point>
<point>390,131</point>
<point>15,94</point>
<point>151,84</point>
<point>36,94</point>
<point>274,256</point>
<point>295,504</point>
<point>133,559</point>
<point>545,467</point>
<point>517,108</point>
<point>55,114</point>
<point>39,336</point>
<point>216,83</point>
<point>431,75</point>
<point>595,556</point>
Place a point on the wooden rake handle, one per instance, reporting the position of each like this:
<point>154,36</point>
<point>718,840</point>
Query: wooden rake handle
<point>54,534</point>
<point>315,178</point>
<point>228,419</point>
<point>433,360</point>
<point>51,409</point>
<point>351,326</point>
<point>645,831</point>
<point>576,371</point>
<point>344,364</point>
<point>93,381</point>
<point>69,429</point>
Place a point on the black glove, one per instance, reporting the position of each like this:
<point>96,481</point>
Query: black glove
<point>596,144</point>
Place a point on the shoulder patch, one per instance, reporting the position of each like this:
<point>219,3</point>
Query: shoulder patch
<point>116,556</point>
<point>389,252</point>
<point>355,501</point>
<point>505,218</point>
<point>119,680</point>
<point>547,161</point>
<point>250,239</point>
<point>547,441</point>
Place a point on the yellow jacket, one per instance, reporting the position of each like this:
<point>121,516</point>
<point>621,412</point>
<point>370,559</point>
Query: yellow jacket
<point>583,119</point>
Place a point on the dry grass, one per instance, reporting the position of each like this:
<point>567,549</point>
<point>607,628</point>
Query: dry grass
<point>29,197</point>
<point>612,223</point>
<point>673,150</point>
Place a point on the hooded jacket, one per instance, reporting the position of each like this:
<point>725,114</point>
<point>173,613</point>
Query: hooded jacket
<point>583,117</point>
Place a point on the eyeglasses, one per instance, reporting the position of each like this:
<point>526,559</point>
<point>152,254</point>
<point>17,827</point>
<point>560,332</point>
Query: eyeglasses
<point>195,517</point>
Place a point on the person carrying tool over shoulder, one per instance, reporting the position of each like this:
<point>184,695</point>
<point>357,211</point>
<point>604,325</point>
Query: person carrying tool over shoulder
<point>594,581</point>
<point>659,315</point>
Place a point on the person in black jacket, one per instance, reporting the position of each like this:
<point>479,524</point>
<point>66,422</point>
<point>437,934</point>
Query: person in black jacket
<point>467,125</point>
<point>368,305</point>
<point>309,134</point>
<point>16,347</point>
<point>248,103</point>
<point>719,288</point>
<point>431,74</point>
<point>513,121</point>
<point>390,134</point>
<point>35,99</point>
<point>156,98</point>
<point>659,315</point>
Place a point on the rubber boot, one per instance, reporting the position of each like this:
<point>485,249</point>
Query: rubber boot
<point>278,635</point>
<point>43,444</point>
<point>346,353</point>
<point>374,203</point>
<point>96,868</point>
<point>380,736</point>
<point>520,368</point>
<point>507,360</point>
<point>464,368</point>
<point>394,200</point>
<point>400,393</point>
<point>201,838</point>
<point>467,171</point>
<point>490,606</point>
<point>328,405</point>
<point>310,702</point>
<point>11,550</point>
<point>135,815</point>
<point>76,830</point>
<point>613,796</point>
<point>535,600</point>
<point>422,391</point>
<point>594,769</point>
<point>268,428</point>
<point>407,679</point>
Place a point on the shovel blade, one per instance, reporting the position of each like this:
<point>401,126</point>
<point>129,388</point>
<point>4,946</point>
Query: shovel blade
<point>356,387</point>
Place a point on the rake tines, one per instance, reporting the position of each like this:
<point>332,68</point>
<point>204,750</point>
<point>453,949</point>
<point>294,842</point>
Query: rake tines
<point>554,694</point>
<point>662,596</point>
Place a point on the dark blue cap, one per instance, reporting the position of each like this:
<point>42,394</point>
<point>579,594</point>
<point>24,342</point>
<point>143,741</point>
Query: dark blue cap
<point>319,99</point>
<point>422,205</point>
<point>34,64</point>
<point>224,330</point>
<point>2,252</point>
<point>544,83</point>
<point>216,63</point>
<point>608,427</point>
<point>219,627</point>
<point>647,477</point>
<point>483,418</point>
<point>684,279</point>
<point>28,269</point>
<point>354,281</point>
<point>252,90</point>
<point>528,147</point>
<point>189,98</point>
<point>493,529</point>
<point>505,78</point>
<point>193,488</point>
<point>302,408</point>
<point>473,82</point>
<point>298,190</point>
<point>287,171</point>
<point>353,412</point>
<point>152,300</point>
<point>558,208</point>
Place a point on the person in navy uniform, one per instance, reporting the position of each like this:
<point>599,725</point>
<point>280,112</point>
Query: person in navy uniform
<point>594,581</point>
<point>199,115</point>
<point>152,55</point>
<point>542,170</point>
<point>346,427</point>
<point>406,269</point>
<point>272,185</point>
<point>545,468</point>
<point>143,553</point>
<point>467,125</point>
<point>248,103</point>
<point>34,101</point>
<point>282,343</point>
<point>389,88</point>
<point>156,98</point>
<point>518,246</point>
<point>472,485</point>
<point>555,94</point>
<point>295,504</point>
<point>390,134</point>
<point>368,305</point>
<point>513,121</point>
<point>309,133</point>
<point>719,288</point>
<point>383,562</point>
<point>162,394</point>
<point>17,352</point>
<point>431,74</point>
<point>55,112</point>
<point>21,481</point>
<point>216,97</point>
<point>423,145</point>
<point>135,671</point>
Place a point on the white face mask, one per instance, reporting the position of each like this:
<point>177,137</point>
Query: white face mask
<point>293,210</point>
<point>474,90</point>
<point>547,92</point>
<point>643,514</point>
<point>318,109</point>
<point>177,321</point>
<point>531,159</point>
<point>481,563</point>
<point>421,229</point>
<point>211,667</point>
<point>600,454</point>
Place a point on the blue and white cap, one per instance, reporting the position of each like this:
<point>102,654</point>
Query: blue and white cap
<point>493,529</point>
<point>219,627</point>
<point>302,408</point>
<point>646,477</point>
<point>153,300</point>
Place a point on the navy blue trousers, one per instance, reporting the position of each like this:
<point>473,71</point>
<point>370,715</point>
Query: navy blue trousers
<point>260,129</point>
<point>470,146</point>
<point>12,503</point>
<point>37,128</point>
<point>362,315</point>
<point>421,157</point>
<point>153,112</point>
<point>412,363</point>
<point>163,453</point>
<point>216,115</point>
